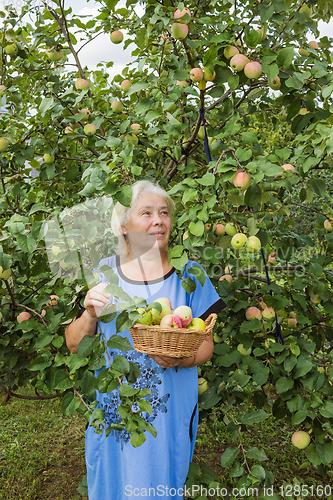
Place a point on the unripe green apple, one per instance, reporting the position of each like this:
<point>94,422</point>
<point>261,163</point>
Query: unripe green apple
<point>230,229</point>
<point>54,54</point>
<point>131,138</point>
<point>242,180</point>
<point>89,129</point>
<point>202,385</point>
<point>86,114</point>
<point>208,77</point>
<point>274,84</point>
<point>196,74</point>
<point>328,226</point>
<point>253,70</point>
<point>146,317</point>
<point>116,36</point>
<point>238,241</point>
<point>81,84</point>
<point>2,90</point>
<point>217,338</point>
<point>201,132</point>
<point>117,106</point>
<point>303,52</point>
<point>230,51</point>
<point>48,158</point>
<point>292,322</point>
<point>237,62</point>
<point>125,85</point>
<point>179,31</point>
<point>151,153</point>
<point>12,49</point>
<point>268,313</point>
<point>197,324</point>
<point>253,312</point>
<point>3,144</point>
<point>300,439</point>
<point>253,244</point>
<point>243,351</point>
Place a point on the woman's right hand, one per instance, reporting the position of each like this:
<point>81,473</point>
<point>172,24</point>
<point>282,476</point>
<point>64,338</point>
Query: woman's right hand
<point>96,300</point>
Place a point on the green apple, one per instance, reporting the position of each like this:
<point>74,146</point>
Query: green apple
<point>300,439</point>
<point>253,244</point>
<point>116,37</point>
<point>117,107</point>
<point>179,31</point>
<point>237,62</point>
<point>230,229</point>
<point>151,153</point>
<point>274,84</point>
<point>217,338</point>
<point>243,351</point>
<point>201,132</point>
<point>306,10</point>
<point>230,51</point>
<point>89,129</point>
<point>2,90</point>
<point>166,309</point>
<point>131,138</point>
<point>303,52</point>
<point>202,385</point>
<point>54,54</point>
<point>81,84</point>
<point>0,315</point>
<point>314,45</point>
<point>197,324</point>
<point>146,316</point>
<point>268,313</point>
<point>238,241</point>
<point>3,144</point>
<point>327,225</point>
<point>48,158</point>
<point>125,85</point>
<point>292,322</point>
<point>178,14</point>
<point>253,70</point>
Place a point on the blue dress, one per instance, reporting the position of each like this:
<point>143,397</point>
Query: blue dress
<point>158,468</point>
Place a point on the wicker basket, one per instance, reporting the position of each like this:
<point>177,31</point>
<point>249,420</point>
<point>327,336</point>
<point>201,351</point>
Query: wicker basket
<point>174,342</point>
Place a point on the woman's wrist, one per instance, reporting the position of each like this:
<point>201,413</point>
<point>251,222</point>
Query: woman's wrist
<point>188,362</point>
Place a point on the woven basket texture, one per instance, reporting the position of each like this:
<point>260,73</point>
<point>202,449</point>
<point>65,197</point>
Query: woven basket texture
<point>173,342</point>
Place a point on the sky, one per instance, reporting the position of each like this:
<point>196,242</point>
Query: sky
<point>102,49</point>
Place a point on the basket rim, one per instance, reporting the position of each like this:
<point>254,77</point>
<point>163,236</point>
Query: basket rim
<point>156,328</point>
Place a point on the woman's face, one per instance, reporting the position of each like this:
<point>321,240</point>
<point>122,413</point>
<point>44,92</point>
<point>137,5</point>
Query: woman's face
<point>149,224</point>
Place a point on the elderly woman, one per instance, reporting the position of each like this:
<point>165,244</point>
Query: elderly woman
<point>159,467</point>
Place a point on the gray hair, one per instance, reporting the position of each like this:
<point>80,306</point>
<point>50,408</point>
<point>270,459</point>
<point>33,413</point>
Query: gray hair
<point>121,214</point>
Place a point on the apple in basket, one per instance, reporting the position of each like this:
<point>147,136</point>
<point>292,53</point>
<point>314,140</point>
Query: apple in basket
<point>166,309</point>
<point>197,324</point>
<point>146,317</point>
<point>184,313</point>
<point>170,321</point>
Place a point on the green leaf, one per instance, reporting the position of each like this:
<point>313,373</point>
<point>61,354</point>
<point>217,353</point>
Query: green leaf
<point>303,367</point>
<point>121,364</point>
<point>228,456</point>
<point>87,344</point>
<point>62,381</point>
<point>145,406</point>
<point>199,273</point>
<point>39,364</point>
<point>137,439</point>
<point>189,285</point>
<point>259,472</point>
<point>127,391</point>
<point>118,342</point>
<point>252,195</point>
<point>254,417</point>
<point>255,454</point>
<point>285,57</point>
<point>284,384</point>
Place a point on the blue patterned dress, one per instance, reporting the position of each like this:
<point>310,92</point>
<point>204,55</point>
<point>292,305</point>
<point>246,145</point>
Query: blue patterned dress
<point>158,468</point>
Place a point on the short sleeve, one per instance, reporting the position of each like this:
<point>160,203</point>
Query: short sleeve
<point>204,300</point>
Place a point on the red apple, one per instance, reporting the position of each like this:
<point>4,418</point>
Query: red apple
<point>253,312</point>
<point>219,229</point>
<point>170,321</point>
<point>179,14</point>
<point>196,74</point>
<point>23,316</point>
<point>241,180</point>
<point>184,313</point>
<point>288,166</point>
<point>314,45</point>
<point>136,128</point>
<point>81,84</point>
<point>125,85</point>
<point>253,70</point>
<point>227,277</point>
<point>166,309</point>
<point>53,301</point>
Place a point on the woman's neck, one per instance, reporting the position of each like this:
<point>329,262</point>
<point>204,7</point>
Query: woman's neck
<point>145,267</point>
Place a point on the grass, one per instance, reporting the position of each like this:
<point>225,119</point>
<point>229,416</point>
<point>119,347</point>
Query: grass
<point>42,452</point>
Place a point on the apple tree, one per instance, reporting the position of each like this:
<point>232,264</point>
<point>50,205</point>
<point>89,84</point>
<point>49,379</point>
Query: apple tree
<point>229,107</point>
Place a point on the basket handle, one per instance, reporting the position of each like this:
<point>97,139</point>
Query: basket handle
<point>210,321</point>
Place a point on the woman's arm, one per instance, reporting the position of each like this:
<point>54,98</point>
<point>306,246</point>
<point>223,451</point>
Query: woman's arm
<point>94,302</point>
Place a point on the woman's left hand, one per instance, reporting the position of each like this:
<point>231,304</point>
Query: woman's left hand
<point>166,361</point>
